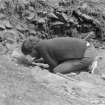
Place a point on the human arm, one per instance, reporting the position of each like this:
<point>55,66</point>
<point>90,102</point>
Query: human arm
<point>51,61</point>
<point>46,51</point>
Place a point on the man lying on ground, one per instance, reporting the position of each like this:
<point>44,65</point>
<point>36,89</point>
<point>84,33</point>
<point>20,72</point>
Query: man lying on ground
<point>64,54</point>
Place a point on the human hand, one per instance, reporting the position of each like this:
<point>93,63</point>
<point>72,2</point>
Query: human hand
<point>41,65</point>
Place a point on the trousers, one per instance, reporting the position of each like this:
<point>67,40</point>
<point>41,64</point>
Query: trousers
<point>77,64</point>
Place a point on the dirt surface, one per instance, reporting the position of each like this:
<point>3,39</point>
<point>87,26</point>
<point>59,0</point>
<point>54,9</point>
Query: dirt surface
<point>21,85</point>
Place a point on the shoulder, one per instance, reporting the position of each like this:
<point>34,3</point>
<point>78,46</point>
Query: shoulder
<point>43,44</point>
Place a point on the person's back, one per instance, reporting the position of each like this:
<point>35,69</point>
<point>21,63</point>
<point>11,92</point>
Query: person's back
<point>62,49</point>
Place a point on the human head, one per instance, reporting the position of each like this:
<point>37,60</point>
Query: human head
<point>28,46</point>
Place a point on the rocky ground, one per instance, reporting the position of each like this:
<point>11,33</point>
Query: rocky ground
<point>20,85</point>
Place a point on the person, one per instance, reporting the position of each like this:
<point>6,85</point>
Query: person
<point>63,55</point>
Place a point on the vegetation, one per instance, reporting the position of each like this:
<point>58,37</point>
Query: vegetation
<point>20,19</point>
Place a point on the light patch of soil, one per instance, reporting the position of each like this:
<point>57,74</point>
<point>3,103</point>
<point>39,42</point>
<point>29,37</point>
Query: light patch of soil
<point>101,62</point>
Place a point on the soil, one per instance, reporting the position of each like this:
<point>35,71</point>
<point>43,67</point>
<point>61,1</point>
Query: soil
<point>20,85</point>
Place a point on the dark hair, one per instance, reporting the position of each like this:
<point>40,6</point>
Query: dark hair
<point>29,44</point>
